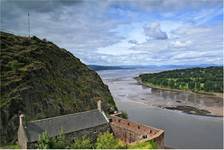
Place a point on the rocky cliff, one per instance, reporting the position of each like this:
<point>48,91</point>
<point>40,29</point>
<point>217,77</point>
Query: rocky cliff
<point>42,80</point>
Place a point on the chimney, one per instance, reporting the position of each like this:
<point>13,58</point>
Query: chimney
<point>21,117</point>
<point>99,105</point>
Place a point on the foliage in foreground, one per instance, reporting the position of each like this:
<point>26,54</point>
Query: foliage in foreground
<point>82,143</point>
<point>144,145</point>
<point>104,140</point>
<point>45,142</point>
<point>108,141</point>
<point>59,141</point>
<point>124,115</point>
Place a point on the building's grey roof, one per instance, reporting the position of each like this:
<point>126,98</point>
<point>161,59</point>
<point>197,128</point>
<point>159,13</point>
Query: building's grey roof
<point>68,123</point>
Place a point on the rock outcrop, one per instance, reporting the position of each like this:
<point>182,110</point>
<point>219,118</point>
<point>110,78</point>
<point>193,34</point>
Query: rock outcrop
<point>42,80</point>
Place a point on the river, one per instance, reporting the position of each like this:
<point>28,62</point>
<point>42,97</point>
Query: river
<point>143,104</point>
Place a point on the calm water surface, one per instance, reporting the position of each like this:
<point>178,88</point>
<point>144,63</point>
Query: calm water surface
<point>143,105</point>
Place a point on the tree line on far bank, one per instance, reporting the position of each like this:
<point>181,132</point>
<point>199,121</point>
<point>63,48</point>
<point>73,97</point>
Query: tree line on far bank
<point>208,79</point>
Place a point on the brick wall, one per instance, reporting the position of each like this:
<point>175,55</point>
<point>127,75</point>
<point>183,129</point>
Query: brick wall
<point>131,132</point>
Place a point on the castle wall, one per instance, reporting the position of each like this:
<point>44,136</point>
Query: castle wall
<point>131,132</point>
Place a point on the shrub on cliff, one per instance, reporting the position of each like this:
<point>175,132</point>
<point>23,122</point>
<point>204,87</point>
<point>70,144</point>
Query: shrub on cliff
<point>124,115</point>
<point>143,145</point>
<point>82,143</point>
<point>44,141</point>
<point>108,141</point>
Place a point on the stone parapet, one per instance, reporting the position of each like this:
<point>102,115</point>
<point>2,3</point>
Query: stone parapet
<point>131,132</point>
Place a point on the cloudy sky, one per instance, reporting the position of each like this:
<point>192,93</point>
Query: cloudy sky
<point>120,32</point>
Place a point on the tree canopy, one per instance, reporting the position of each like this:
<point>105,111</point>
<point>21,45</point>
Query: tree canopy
<point>208,79</point>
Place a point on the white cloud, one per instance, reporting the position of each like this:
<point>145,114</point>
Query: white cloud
<point>180,44</point>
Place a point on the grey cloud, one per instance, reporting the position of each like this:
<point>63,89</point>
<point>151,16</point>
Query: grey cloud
<point>154,32</point>
<point>41,6</point>
<point>70,24</point>
<point>133,41</point>
<point>168,5</point>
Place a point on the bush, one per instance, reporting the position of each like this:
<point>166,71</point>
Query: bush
<point>59,142</point>
<point>144,145</point>
<point>108,141</point>
<point>82,143</point>
<point>44,141</point>
<point>124,115</point>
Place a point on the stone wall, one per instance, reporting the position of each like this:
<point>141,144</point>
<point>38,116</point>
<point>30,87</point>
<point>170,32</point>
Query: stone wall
<point>131,132</point>
<point>22,138</point>
<point>92,133</point>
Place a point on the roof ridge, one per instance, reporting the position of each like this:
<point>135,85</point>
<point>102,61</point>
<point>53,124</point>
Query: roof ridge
<point>49,118</point>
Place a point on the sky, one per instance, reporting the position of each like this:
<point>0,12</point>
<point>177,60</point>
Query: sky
<point>124,32</point>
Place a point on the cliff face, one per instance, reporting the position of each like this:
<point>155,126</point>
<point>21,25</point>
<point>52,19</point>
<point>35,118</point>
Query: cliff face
<point>42,80</point>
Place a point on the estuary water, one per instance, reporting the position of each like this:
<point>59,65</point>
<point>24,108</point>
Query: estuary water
<point>146,105</point>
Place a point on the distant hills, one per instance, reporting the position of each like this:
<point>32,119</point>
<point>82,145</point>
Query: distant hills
<point>101,67</point>
<point>42,80</point>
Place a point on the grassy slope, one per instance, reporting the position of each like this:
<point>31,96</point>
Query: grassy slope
<point>42,80</point>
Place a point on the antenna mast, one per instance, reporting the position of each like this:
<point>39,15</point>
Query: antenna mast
<point>29,23</point>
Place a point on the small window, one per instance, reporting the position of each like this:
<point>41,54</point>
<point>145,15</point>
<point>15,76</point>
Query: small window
<point>128,123</point>
<point>144,136</point>
<point>119,120</point>
<point>138,127</point>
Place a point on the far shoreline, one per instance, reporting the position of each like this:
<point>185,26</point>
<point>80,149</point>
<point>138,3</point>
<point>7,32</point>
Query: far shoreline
<point>185,108</point>
<point>220,95</point>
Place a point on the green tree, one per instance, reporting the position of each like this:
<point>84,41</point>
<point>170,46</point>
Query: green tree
<point>59,142</point>
<point>44,141</point>
<point>124,115</point>
<point>191,85</point>
<point>82,143</point>
<point>108,141</point>
<point>144,145</point>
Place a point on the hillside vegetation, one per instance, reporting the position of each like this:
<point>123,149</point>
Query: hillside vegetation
<point>208,79</point>
<point>42,80</point>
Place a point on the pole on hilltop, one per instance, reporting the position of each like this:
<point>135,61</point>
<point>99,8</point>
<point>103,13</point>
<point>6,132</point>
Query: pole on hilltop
<point>29,24</point>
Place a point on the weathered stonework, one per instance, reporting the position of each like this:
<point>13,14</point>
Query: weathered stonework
<point>132,132</point>
<point>90,124</point>
<point>22,137</point>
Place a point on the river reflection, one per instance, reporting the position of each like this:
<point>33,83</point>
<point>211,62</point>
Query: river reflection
<point>188,98</point>
<point>145,105</point>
